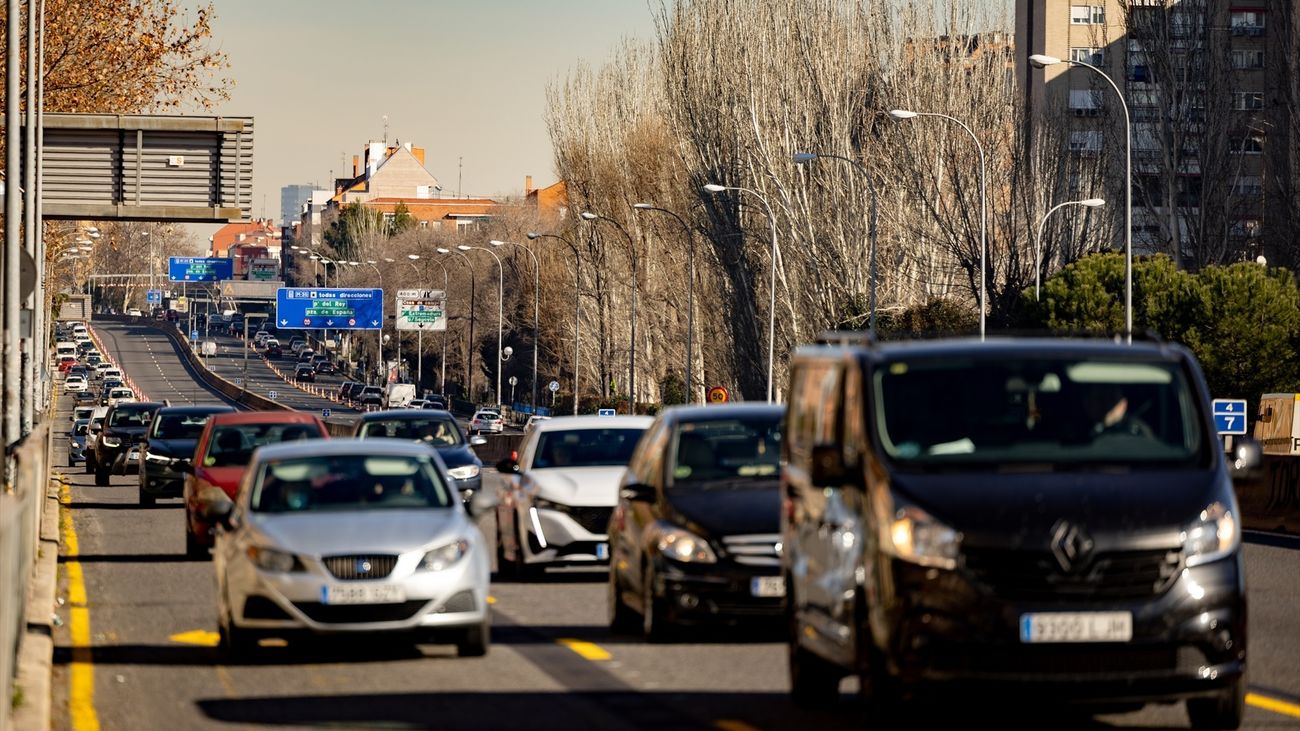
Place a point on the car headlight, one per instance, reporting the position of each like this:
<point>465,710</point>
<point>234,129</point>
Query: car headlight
<point>1212,535</point>
<point>108,441</point>
<point>916,536</point>
<point>464,472</point>
<point>159,458</point>
<point>444,557</point>
<point>544,504</point>
<point>269,559</point>
<point>682,545</point>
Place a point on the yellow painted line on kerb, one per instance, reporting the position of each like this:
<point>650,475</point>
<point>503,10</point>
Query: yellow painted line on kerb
<point>1273,704</point>
<point>586,650</point>
<point>81,701</point>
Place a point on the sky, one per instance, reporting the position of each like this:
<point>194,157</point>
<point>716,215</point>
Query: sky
<point>465,79</point>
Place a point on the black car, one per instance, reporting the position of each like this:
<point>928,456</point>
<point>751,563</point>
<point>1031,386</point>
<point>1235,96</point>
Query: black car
<point>695,535</point>
<point>436,401</point>
<point>304,372</point>
<point>325,367</point>
<point>124,426</point>
<point>106,388</point>
<point>273,350</point>
<point>439,430</point>
<point>305,355</point>
<point>354,391</point>
<point>344,388</point>
<point>1049,518</point>
<point>170,440</point>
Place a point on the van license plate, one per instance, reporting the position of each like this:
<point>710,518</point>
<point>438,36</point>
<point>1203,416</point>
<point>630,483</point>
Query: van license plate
<point>363,594</point>
<point>767,586</point>
<point>1076,627</point>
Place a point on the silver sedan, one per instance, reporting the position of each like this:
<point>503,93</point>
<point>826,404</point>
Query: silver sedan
<point>340,535</point>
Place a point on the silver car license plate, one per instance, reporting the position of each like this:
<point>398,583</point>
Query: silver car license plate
<point>362,594</point>
<point>767,586</point>
<point>602,551</point>
<point>1076,627</point>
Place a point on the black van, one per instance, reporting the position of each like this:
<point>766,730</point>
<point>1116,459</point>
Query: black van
<point>1055,516</point>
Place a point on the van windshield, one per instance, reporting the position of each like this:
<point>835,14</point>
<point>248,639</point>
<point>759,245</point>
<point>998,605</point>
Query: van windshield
<point>1037,410</point>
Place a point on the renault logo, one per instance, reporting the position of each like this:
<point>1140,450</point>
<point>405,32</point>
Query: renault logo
<point>1071,545</point>
<point>363,566</point>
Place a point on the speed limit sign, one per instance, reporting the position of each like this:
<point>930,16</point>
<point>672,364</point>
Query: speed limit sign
<point>719,395</point>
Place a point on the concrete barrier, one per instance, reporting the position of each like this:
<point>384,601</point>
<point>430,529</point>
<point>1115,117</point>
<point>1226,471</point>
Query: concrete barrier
<point>1271,501</point>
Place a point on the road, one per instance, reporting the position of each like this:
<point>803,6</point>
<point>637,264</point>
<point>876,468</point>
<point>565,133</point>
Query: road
<point>141,655</point>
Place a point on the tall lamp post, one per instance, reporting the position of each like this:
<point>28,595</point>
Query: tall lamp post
<point>1040,60</point>
<point>469,343</point>
<point>690,294</point>
<point>771,304</point>
<point>631,252</point>
<point>803,158</point>
<point>903,114</point>
<point>537,304</point>
<point>1038,240</point>
<point>577,303</point>
<point>501,298</point>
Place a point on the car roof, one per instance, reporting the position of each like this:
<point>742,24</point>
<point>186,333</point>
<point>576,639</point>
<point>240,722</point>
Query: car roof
<point>345,446</point>
<point>197,409</point>
<point>567,423</point>
<point>403,415</point>
<point>998,347</point>
<point>263,417</point>
<point>137,405</point>
<point>684,414</point>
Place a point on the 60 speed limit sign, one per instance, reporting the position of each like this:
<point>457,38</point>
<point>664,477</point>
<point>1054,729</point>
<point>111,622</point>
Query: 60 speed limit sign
<point>719,395</point>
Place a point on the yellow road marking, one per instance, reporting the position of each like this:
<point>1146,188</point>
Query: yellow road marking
<point>731,724</point>
<point>492,599</point>
<point>586,650</point>
<point>81,701</point>
<point>1273,704</point>
<point>201,637</point>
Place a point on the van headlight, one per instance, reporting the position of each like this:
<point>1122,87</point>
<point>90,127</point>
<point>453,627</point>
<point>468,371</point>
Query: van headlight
<point>108,441</point>
<point>464,472</point>
<point>269,559</point>
<point>443,557</point>
<point>159,458</point>
<point>917,536</point>
<point>685,546</point>
<point>1212,535</point>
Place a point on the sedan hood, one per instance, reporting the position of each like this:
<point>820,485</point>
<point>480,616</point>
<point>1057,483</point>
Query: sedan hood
<point>182,448</point>
<point>720,512</point>
<point>578,486</point>
<point>362,531</point>
<point>458,456</point>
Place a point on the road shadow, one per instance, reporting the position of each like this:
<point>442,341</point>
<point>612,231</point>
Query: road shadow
<point>134,558</point>
<point>740,633</point>
<point>1273,540</point>
<point>555,576</point>
<point>80,505</point>
<point>297,650</point>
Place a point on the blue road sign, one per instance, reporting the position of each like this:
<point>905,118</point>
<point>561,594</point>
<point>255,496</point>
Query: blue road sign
<point>194,335</point>
<point>605,412</point>
<point>308,308</point>
<point>1229,416</point>
<point>324,413</point>
<point>199,269</point>
<point>153,296</point>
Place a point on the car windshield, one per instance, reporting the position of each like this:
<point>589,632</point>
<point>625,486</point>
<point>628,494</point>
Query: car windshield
<point>179,426</point>
<point>437,432</point>
<point>110,384</point>
<point>726,452</point>
<point>487,415</point>
<point>585,448</point>
<point>130,417</point>
<point>935,412</point>
<point>233,445</point>
<point>348,482</point>
<point>377,391</point>
<point>79,428</point>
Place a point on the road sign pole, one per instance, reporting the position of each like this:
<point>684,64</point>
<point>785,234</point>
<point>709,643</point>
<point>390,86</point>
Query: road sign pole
<point>419,359</point>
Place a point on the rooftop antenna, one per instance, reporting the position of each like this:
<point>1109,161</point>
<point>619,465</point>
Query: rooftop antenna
<point>385,130</point>
<point>460,174</point>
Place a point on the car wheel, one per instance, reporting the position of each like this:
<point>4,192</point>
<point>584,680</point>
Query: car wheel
<point>71,462</point>
<point>622,620</point>
<point>505,567</point>
<point>238,643</point>
<point>101,476</point>
<point>814,682</point>
<point>90,463</point>
<point>655,625</point>
<point>148,500</point>
<point>476,641</point>
<point>1224,711</point>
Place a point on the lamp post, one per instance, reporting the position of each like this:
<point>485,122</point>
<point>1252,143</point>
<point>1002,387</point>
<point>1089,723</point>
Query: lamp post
<point>631,251</point>
<point>469,362</point>
<point>374,265</point>
<point>903,114</point>
<point>771,306</point>
<point>501,298</point>
<point>1043,61</point>
<point>419,333</point>
<point>690,294</point>
<point>537,304</point>
<point>1038,241</point>
<point>577,304</point>
<point>807,157</point>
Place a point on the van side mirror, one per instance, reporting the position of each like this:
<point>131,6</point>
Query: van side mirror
<point>828,468</point>
<point>638,492</point>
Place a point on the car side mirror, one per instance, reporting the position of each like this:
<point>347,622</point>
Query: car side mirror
<point>477,441</point>
<point>828,468</point>
<point>482,502</point>
<point>215,506</point>
<point>638,492</point>
<point>508,466</point>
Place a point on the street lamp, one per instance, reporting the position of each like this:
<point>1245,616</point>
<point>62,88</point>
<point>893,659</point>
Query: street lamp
<point>1040,60</point>
<point>690,294</point>
<point>577,303</point>
<point>631,251</point>
<point>469,343</point>
<point>1038,242</point>
<point>771,305</point>
<point>537,303</point>
<point>803,158</point>
<point>501,299</point>
<point>903,114</point>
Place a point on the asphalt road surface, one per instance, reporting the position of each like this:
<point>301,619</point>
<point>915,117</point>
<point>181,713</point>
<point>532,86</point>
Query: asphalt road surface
<point>141,653</point>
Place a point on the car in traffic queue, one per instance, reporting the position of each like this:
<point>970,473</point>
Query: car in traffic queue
<point>1046,519</point>
<point>326,367</point>
<point>221,455</point>
<point>437,429</point>
<point>485,420</point>
<point>304,372</point>
<point>92,436</point>
<point>75,383</point>
<point>695,536</point>
<point>559,494</point>
<point>134,312</point>
<point>344,388</point>
<point>272,349</point>
<point>349,536</point>
<point>118,395</point>
<point>370,396</point>
<point>77,441</point>
<point>66,363</point>
<point>124,426</point>
<point>354,392</point>
<point>82,412</point>
<point>170,440</point>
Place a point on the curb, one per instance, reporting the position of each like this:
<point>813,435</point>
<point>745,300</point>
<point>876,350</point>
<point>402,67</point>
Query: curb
<point>35,667</point>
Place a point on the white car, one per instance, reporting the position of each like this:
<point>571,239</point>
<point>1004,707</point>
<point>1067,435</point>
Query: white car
<point>120,395</point>
<point>558,498</point>
<point>485,420</point>
<point>75,383</point>
<point>133,312</point>
<point>112,373</point>
<point>347,536</point>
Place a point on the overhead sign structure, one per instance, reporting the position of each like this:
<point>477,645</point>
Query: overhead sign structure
<point>421,309</point>
<point>306,308</point>
<point>263,270</point>
<point>199,269</point>
<point>1229,416</point>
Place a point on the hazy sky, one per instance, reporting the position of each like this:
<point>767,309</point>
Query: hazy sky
<point>463,79</point>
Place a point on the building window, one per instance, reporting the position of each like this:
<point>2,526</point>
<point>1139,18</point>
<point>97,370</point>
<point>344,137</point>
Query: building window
<point>1247,146</point>
<point>1085,141</point>
<point>1246,228</point>
<point>1083,103</point>
<point>1250,185</point>
<point>1140,73</point>
<point>1247,101</point>
<point>1247,22</point>
<point>1247,59</point>
<point>1087,14</point>
<point>424,224</point>
<point>1092,56</point>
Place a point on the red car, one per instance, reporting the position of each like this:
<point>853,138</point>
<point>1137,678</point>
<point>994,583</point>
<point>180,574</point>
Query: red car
<point>223,452</point>
<point>66,363</point>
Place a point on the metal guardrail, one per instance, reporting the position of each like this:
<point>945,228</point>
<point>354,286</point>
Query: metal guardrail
<point>20,531</point>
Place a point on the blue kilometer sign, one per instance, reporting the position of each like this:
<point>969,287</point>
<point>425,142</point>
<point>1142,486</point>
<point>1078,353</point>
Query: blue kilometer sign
<point>308,308</point>
<point>198,269</point>
<point>1229,416</point>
